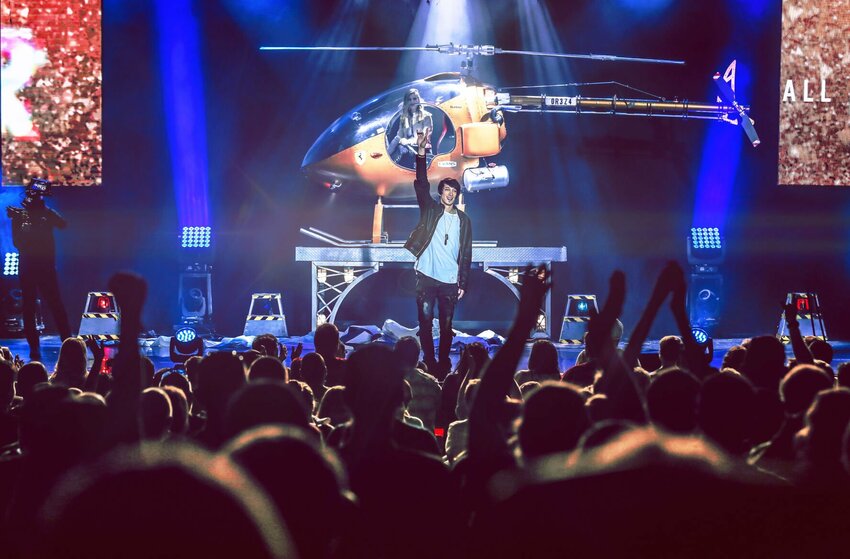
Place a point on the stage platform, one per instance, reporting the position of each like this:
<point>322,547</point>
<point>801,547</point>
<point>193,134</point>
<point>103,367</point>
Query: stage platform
<point>335,271</point>
<point>567,354</point>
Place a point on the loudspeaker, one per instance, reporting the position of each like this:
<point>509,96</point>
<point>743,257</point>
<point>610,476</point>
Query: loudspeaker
<point>705,299</point>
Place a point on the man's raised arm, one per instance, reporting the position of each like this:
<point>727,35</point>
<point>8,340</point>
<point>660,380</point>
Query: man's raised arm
<point>421,185</point>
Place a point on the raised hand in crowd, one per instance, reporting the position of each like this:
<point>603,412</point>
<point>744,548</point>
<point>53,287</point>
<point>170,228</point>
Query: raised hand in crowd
<point>664,285</point>
<point>616,382</point>
<point>130,292</point>
<point>802,353</point>
<point>486,432</point>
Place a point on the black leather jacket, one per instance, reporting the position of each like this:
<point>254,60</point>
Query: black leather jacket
<point>430,212</point>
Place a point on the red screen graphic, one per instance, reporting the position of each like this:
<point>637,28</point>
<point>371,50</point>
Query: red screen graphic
<point>51,91</point>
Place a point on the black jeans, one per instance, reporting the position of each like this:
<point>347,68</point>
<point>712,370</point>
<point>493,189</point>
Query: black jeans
<point>428,292</point>
<point>41,277</point>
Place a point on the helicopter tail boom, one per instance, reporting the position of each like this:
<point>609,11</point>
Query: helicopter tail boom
<point>615,106</point>
<point>731,113</point>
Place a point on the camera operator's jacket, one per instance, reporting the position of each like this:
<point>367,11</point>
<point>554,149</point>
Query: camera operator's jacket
<point>430,212</point>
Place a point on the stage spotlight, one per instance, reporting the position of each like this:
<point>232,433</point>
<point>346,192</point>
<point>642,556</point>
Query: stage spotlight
<point>705,246</point>
<point>195,237</point>
<point>194,297</point>
<point>185,343</point>
<point>706,250</point>
<point>10,264</point>
<point>700,335</point>
<point>348,275</point>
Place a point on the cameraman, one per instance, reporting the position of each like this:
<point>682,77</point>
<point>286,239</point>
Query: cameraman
<point>32,234</point>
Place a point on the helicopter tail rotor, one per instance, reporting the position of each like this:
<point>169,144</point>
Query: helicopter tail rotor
<point>728,95</point>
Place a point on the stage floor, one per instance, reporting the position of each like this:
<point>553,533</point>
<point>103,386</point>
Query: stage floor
<point>567,354</point>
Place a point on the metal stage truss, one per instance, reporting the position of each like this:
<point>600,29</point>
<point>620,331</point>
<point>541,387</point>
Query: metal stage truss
<point>335,271</point>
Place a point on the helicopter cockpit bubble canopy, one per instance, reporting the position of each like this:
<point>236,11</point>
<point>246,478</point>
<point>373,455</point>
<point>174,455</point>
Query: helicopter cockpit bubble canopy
<point>358,149</point>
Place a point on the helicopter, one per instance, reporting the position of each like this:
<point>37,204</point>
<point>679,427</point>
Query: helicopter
<point>361,150</point>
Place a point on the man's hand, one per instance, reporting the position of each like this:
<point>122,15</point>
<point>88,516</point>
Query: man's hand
<point>422,140</point>
<point>460,294</point>
<point>296,353</point>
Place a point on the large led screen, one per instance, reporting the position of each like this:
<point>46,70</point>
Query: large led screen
<point>51,89</point>
<point>814,120</point>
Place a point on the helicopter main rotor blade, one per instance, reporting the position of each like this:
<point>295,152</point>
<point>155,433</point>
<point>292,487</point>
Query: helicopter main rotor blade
<point>600,57</point>
<point>488,50</point>
<point>353,48</point>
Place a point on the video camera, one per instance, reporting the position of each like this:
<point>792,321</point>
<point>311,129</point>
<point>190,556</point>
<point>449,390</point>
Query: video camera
<point>36,190</point>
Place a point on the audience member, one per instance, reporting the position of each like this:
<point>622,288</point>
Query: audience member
<point>315,374</point>
<point>326,340</point>
<point>71,366</point>
<point>542,364</point>
<point>179,411</point>
<point>29,376</point>
<point>333,406</point>
<point>156,414</point>
<point>267,345</point>
<point>640,465</point>
<point>265,401</point>
<point>725,412</point>
<point>671,400</point>
<point>157,501</point>
<point>670,351</point>
<point>553,420</point>
<point>268,368</point>
<point>220,376</point>
<point>797,391</point>
<point>426,393</point>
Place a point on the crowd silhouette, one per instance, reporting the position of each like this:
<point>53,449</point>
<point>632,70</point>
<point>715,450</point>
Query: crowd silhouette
<point>369,455</point>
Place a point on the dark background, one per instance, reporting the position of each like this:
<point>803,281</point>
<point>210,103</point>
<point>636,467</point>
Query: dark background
<point>617,192</point>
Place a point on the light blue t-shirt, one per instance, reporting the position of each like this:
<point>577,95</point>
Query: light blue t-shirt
<point>439,260</point>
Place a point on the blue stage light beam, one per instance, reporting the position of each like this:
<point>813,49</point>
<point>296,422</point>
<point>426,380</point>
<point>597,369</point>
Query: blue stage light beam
<point>752,9</point>
<point>440,22</point>
<point>183,104</point>
<point>328,67</point>
<point>644,8</point>
<point>574,180</point>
